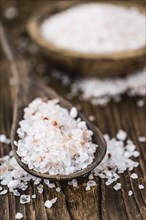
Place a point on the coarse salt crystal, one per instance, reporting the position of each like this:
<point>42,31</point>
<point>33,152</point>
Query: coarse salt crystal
<point>140,103</point>
<point>13,183</point>
<point>121,135</point>
<point>1,188</point>
<point>58,189</point>
<point>87,188</point>
<point>117,186</point>
<point>134,176</point>
<point>33,196</point>
<point>136,153</point>
<point>10,12</point>
<point>4,139</point>
<point>48,204</point>
<point>130,193</point>
<point>19,215</point>
<point>140,186</point>
<point>91,118</point>
<point>3,192</point>
<point>73,112</point>
<point>24,199</point>
<point>142,139</point>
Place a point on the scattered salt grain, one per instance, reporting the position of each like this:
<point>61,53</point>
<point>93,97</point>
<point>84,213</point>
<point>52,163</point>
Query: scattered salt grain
<point>10,13</point>
<point>4,139</point>
<point>87,188</point>
<point>142,139</point>
<point>18,215</point>
<point>91,118</point>
<point>33,196</point>
<point>91,183</point>
<point>24,199</point>
<point>13,184</point>
<point>117,186</point>
<point>140,103</point>
<point>140,186</point>
<point>130,193</point>
<point>58,189</point>
<point>134,176</point>
<point>40,188</point>
<point>49,203</point>
<point>3,192</point>
<point>121,135</point>
<point>77,28</point>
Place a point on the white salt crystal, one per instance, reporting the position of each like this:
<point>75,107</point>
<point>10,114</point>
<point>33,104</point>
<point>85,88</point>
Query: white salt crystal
<point>48,204</point>
<point>4,139</point>
<point>90,177</point>
<point>3,192</point>
<point>54,200</point>
<point>1,188</point>
<point>121,135</point>
<point>87,188</point>
<point>134,176</point>
<point>13,183</point>
<point>91,183</point>
<point>74,183</point>
<point>19,215</point>
<point>91,118</point>
<point>136,153</point>
<point>117,186</point>
<point>140,103</point>
<point>130,147</point>
<point>10,12</point>
<point>73,112</point>
<point>130,193</point>
<point>142,139</point>
<point>33,196</point>
<point>140,186</point>
<point>24,199</point>
<point>58,189</point>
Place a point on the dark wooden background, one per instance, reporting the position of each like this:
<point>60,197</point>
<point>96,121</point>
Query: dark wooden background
<point>102,202</point>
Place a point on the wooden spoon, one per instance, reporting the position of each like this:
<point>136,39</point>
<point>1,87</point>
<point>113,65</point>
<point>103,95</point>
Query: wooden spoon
<point>28,87</point>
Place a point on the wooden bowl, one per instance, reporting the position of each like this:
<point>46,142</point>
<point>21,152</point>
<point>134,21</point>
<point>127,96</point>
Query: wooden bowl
<point>102,65</point>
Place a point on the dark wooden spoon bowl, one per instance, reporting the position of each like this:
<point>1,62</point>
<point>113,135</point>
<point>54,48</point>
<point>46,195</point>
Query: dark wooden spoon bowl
<point>28,87</point>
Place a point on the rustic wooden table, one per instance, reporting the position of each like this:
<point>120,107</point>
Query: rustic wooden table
<point>101,202</point>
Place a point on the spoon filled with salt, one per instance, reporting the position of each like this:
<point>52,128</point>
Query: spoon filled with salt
<point>79,145</point>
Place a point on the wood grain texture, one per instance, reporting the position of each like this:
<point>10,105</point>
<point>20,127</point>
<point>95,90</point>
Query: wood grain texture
<point>102,202</point>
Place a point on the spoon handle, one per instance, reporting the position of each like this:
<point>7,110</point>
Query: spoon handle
<point>20,68</point>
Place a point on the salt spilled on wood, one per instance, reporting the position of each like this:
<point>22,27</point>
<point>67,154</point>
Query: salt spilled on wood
<point>77,28</point>
<point>116,161</point>
<point>101,91</point>
<point>57,142</point>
